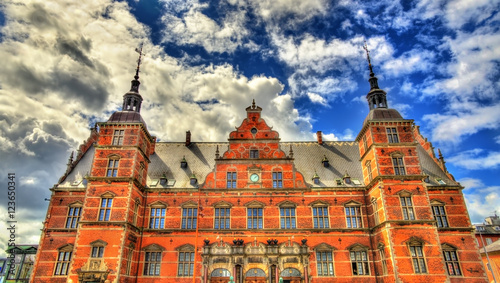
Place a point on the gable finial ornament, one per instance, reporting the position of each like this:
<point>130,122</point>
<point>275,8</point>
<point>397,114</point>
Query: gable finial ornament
<point>253,103</point>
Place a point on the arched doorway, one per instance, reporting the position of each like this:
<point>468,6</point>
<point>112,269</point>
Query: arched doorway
<point>291,275</point>
<point>220,275</point>
<point>255,275</point>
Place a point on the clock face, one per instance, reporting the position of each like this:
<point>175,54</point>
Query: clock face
<point>254,178</point>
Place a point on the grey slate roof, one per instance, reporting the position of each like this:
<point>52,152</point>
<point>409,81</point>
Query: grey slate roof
<point>343,157</point>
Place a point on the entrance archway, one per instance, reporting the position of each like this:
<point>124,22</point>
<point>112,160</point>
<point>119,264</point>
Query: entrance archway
<point>255,275</point>
<point>291,275</point>
<point>220,275</point>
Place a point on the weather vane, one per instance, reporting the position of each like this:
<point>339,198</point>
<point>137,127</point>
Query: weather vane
<point>139,50</point>
<point>365,47</point>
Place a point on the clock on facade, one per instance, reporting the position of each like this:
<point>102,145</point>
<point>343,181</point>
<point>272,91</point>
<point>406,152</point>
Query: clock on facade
<point>254,177</point>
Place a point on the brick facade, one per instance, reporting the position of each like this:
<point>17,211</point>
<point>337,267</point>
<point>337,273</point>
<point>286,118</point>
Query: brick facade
<point>381,208</point>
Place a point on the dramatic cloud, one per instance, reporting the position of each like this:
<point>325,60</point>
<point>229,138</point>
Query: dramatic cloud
<point>476,159</point>
<point>482,201</point>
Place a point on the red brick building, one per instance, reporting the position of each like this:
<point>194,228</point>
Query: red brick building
<point>381,208</point>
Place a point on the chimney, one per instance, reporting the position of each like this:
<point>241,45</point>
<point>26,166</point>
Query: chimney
<point>319,135</point>
<point>188,138</point>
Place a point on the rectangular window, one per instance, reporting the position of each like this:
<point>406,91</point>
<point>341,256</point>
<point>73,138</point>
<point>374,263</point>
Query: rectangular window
<point>255,218</point>
<point>63,261</point>
<point>186,264</point>
<point>440,215</point>
<point>157,220</point>
<point>392,135</point>
<point>189,218</point>
<point>451,261</point>
<point>407,207</point>
<point>324,261</point>
<point>399,167</point>
<point>320,217</point>
<point>277,180</point>
<point>383,261</point>
<point>112,168</point>
<point>231,180</point>
<point>365,144</point>
<point>136,210</point>
<point>375,212</point>
<point>97,252</point>
<point>73,216</point>
<point>222,218</point>
<point>353,217</point>
<point>254,153</point>
<point>369,169</point>
<point>359,263</point>
<point>118,137</point>
<point>488,241</point>
<point>105,209</point>
<point>418,259</point>
<point>287,217</point>
<point>152,263</point>
<point>129,261</point>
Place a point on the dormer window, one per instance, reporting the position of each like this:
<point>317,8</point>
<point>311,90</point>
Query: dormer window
<point>325,162</point>
<point>347,178</point>
<point>184,163</point>
<point>193,180</point>
<point>315,178</point>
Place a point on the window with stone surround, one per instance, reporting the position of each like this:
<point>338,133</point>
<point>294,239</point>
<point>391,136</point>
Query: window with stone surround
<point>255,217</point>
<point>451,260</point>
<point>189,216</point>
<point>407,206</point>
<point>63,260</point>
<point>324,262</point>
<point>74,213</point>
<point>369,170</point>
<point>157,217</point>
<point>112,169</point>
<point>105,208</point>
<point>222,218</point>
<point>320,216</point>
<point>365,143</point>
<point>287,217</point>
<point>136,211</point>
<point>231,180</point>
<point>399,166</point>
<point>359,260</point>
<point>392,135</point>
<point>185,265</point>
<point>439,212</point>
<point>277,180</point>
<point>353,215</point>
<point>416,248</point>
<point>152,263</point>
<point>376,220</point>
<point>118,137</point>
<point>383,261</point>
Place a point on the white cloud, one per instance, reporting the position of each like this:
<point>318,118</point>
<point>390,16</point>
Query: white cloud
<point>453,126</point>
<point>196,28</point>
<point>481,200</point>
<point>415,60</point>
<point>461,12</point>
<point>315,98</point>
<point>476,159</point>
<point>293,10</point>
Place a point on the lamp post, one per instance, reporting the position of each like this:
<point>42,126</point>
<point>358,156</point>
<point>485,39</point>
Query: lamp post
<point>486,253</point>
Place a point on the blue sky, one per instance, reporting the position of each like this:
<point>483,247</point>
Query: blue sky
<point>67,64</point>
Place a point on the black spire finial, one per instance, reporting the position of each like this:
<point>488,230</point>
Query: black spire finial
<point>132,100</point>
<point>253,103</point>
<point>365,47</point>
<point>376,97</point>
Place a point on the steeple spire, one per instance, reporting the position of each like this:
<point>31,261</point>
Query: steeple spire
<point>376,97</point>
<point>132,100</point>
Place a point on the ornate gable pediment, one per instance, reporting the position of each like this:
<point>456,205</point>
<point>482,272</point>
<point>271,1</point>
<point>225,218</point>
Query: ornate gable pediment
<point>98,243</point>
<point>153,247</point>
<point>319,202</point>
<point>66,248</point>
<point>158,203</point>
<point>287,203</point>
<point>185,248</point>
<point>357,247</point>
<point>324,247</point>
<point>254,203</point>
<point>222,204</point>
